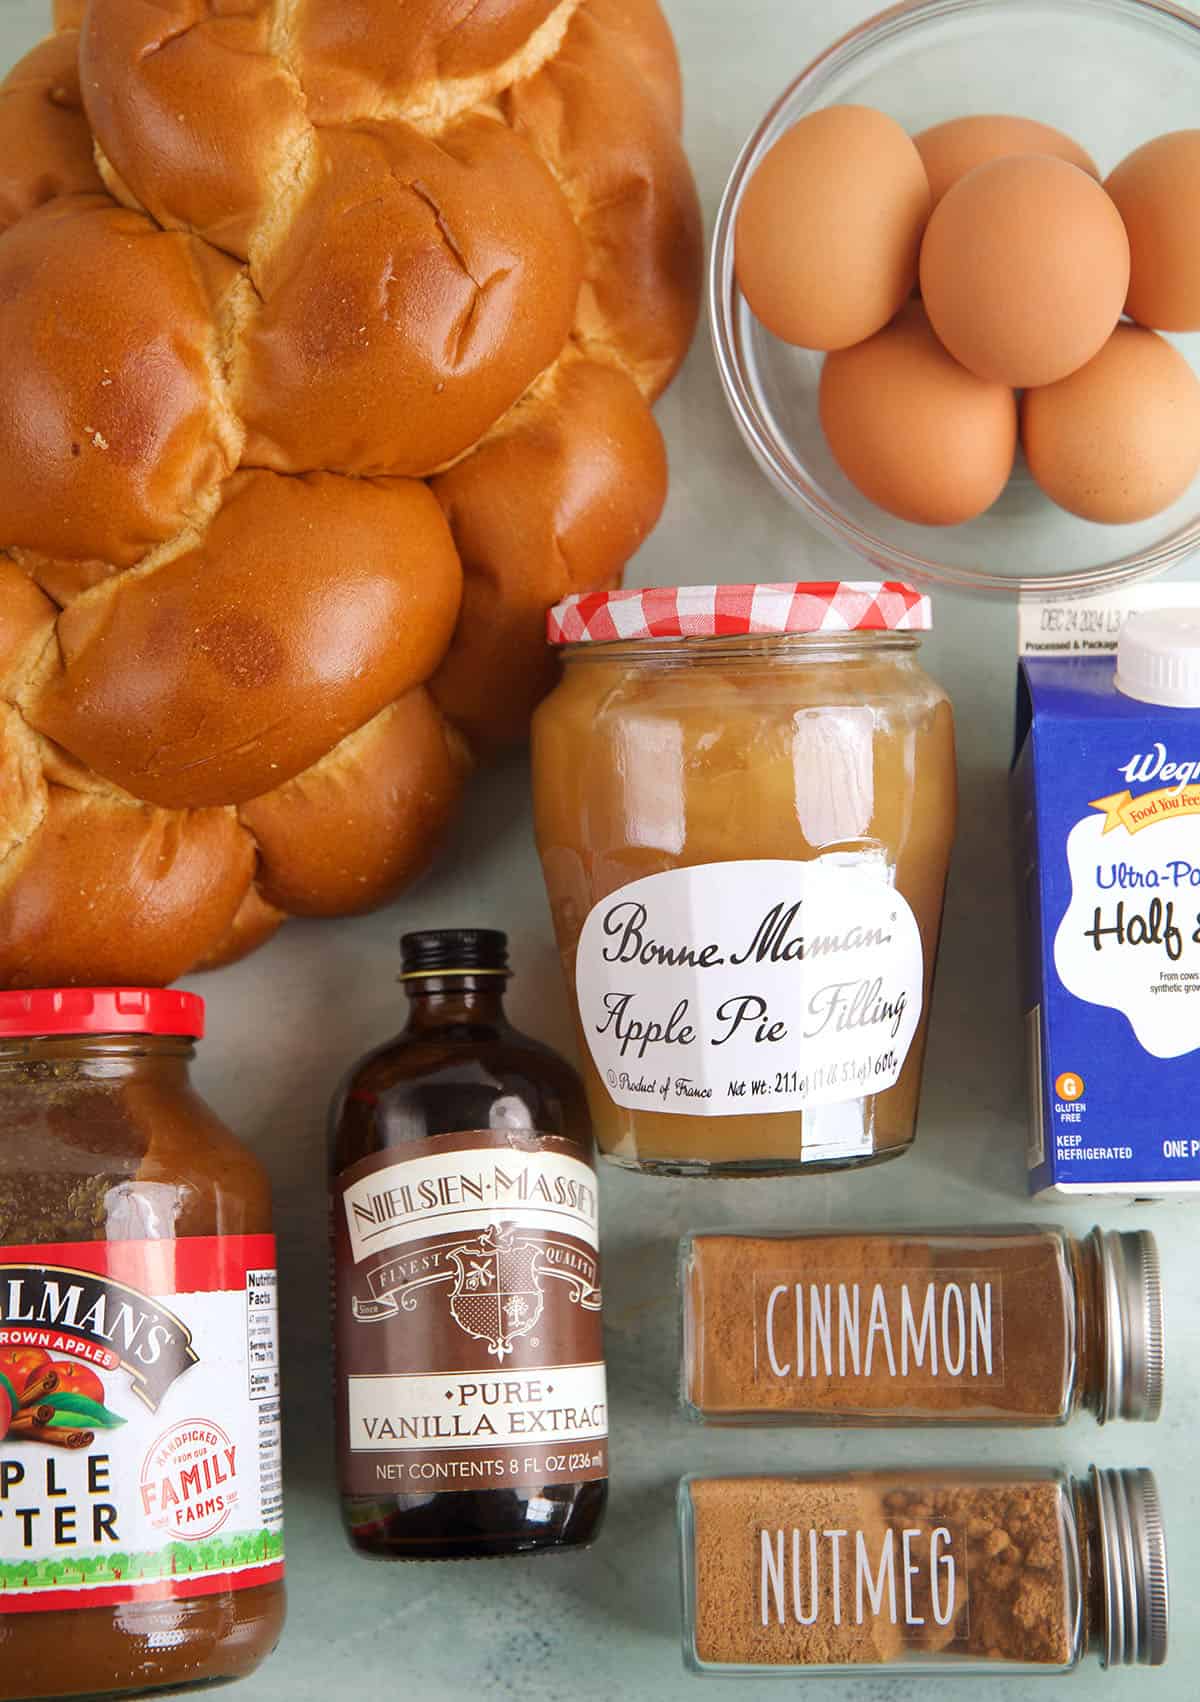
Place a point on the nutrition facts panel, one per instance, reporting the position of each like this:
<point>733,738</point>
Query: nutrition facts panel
<point>262,1334</point>
<point>262,1360</point>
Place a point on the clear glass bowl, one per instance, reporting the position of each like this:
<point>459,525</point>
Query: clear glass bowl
<point>1111,73</point>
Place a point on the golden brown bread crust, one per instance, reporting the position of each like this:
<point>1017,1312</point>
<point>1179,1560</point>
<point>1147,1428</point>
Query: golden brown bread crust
<point>620,162</point>
<point>233,667</point>
<point>45,143</point>
<point>182,875</point>
<point>103,458</point>
<point>352,830</point>
<point>344,248</point>
<point>535,512</point>
<point>199,120</point>
<point>25,630</point>
<point>25,793</point>
<point>372,57</point>
<point>254,924</point>
<point>645,38</point>
<point>418,291</point>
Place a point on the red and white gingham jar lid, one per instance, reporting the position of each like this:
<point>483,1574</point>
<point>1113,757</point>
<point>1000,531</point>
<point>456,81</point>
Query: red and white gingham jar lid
<point>731,611</point>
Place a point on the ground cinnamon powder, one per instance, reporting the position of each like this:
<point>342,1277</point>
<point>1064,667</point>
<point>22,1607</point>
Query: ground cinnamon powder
<point>823,1327</point>
<point>864,1569</point>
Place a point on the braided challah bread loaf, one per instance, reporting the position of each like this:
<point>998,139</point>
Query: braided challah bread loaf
<point>328,333</point>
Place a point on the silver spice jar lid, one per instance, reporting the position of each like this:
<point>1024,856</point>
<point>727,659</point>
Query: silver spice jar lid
<point>1133,1564</point>
<point>1132,1300</point>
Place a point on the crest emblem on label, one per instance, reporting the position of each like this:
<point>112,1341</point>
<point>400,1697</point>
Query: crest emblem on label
<point>467,1266</point>
<point>496,1295</point>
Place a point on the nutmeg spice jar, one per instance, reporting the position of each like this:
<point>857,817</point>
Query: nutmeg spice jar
<point>926,1571</point>
<point>1019,1326</point>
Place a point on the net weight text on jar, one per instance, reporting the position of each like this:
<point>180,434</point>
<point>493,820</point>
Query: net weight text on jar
<point>850,1072</point>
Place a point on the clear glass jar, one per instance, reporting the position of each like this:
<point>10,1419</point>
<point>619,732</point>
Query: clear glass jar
<point>922,1572</point>
<point>1022,1326</point>
<point>745,836</point>
<point>140,1526</point>
<point>916,62</point>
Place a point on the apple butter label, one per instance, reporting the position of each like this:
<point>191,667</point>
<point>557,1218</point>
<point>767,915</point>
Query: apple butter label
<point>468,1316</point>
<point>730,989</point>
<point>139,1421</point>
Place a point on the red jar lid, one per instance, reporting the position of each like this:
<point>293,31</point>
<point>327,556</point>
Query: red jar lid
<point>100,1010</point>
<point>730,611</point>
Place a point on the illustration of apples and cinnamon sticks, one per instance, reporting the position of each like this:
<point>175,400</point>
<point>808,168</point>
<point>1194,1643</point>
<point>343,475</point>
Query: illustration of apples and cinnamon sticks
<point>55,1401</point>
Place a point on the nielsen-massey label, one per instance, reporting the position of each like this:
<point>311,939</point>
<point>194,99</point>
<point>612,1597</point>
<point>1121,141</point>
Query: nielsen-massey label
<point>139,1421</point>
<point>728,989</point>
<point>468,1316</point>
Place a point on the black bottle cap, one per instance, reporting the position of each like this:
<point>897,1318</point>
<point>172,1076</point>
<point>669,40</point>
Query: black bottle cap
<point>453,951</point>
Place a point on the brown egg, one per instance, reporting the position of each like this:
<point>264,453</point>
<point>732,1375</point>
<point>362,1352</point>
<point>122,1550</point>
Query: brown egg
<point>1025,269</point>
<point>1157,192</point>
<point>1119,440</point>
<point>916,433</point>
<point>829,228</point>
<point>951,150</point>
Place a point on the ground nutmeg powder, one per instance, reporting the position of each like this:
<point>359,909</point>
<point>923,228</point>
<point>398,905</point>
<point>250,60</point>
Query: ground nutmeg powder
<point>925,1568</point>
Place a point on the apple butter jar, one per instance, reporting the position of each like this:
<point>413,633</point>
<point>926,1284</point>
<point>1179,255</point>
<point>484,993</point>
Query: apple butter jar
<point>471,1406</point>
<point>141,1535</point>
<point>745,801</point>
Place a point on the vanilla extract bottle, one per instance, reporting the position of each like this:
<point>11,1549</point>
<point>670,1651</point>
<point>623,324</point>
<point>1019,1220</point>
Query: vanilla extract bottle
<point>471,1406</point>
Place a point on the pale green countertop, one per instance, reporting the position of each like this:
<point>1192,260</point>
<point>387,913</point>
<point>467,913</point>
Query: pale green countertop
<point>283,1026</point>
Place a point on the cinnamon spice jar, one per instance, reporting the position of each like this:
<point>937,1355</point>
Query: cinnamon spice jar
<point>997,1326</point>
<point>953,1571</point>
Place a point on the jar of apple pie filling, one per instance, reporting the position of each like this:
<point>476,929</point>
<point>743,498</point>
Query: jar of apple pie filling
<point>745,801</point>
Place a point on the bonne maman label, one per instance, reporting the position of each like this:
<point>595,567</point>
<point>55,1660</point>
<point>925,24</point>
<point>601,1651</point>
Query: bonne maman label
<point>761,986</point>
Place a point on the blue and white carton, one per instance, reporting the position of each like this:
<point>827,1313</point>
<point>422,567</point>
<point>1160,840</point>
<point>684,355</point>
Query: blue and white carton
<point>1107,786</point>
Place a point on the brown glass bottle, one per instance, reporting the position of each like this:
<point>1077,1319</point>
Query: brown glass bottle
<point>469,1376</point>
